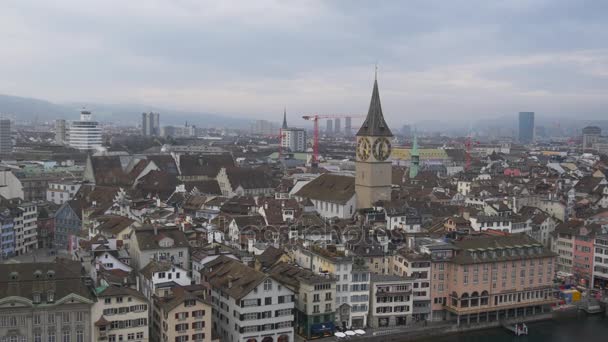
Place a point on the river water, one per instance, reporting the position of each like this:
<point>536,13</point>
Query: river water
<point>575,328</point>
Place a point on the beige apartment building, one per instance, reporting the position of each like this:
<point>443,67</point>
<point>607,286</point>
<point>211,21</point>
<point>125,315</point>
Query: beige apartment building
<point>120,314</point>
<point>497,277</point>
<point>184,315</point>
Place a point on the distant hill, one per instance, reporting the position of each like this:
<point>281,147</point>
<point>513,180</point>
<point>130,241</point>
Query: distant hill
<point>29,109</point>
<point>23,108</point>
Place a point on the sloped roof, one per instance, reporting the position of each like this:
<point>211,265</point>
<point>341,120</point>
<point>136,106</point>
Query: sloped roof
<point>194,202</point>
<point>249,178</point>
<point>113,291</point>
<point>180,295</point>
<point>374,124</point>
<point>243,221</point>
<point>155,266</point>
<point>165,163</point>
<point>329,187</point>
<point>293,276</point>
<point>66,279</point>
<point>204,165</point>
<point>270,256</point>
<point>232,277</point>
<point>108,171</point>
<point>159,183</point>
<point>114,224</point>
<point>491,242</point>
<point>147,240</point>
<point>206,187</point>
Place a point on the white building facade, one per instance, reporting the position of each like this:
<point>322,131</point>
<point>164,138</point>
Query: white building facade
<point>85,134</point>
<point>293,139</point>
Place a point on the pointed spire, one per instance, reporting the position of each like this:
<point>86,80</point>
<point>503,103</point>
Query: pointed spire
<point>284,118</point>
<point>376,73</point>
<point>415,146</point>
<point>374,124</point>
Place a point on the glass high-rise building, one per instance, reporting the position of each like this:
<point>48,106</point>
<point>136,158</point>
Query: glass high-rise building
<point>526,127</point>
<point>150,125</point>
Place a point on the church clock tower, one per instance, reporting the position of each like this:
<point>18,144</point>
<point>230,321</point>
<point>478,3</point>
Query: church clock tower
<point>373,166</point>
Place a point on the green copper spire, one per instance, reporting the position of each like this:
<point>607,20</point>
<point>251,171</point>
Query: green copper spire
<point>414,158</point>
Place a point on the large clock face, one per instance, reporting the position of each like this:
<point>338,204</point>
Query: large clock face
<point>364,149</point>
<point>381,149</point>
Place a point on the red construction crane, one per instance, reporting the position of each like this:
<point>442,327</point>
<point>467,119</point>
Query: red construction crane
<point>315,119</point>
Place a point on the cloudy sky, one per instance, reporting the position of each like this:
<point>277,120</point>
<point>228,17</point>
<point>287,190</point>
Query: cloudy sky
<point>437,59</point>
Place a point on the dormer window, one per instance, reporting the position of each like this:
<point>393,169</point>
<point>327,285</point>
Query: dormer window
<point>50,296</point>
<point>36,298</point>
<point>37,274</point>
<point>14,276</point>
<point>50,274</point>
<point>267,285</point>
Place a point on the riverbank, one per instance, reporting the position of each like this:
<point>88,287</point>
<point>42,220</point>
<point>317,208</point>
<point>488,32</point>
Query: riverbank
<point>432,330</point>
<point>429,332</point>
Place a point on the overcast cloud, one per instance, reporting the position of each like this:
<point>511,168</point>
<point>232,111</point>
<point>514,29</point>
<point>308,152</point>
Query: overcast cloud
<point>437,59</point>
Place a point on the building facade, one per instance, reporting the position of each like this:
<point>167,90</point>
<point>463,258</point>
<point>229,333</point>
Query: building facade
<point>150,124</point>
<point>352,282</point>
<point>120,314</point>
<point>600,262</point>
<point>184,315</point>
<point>60,132</point>
<point>491,278</point>
<point>7,234</point>
<point>315,299</point>
<point>6,137</point>
<point>248,305</point>
<point>391,301</point>
<point>526,127</point>
<point>85,134</point>
<point>293,140</point>
<point>44,302</point>
<point>59,192</point>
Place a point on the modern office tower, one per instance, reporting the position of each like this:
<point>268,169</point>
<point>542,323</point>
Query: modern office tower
<point>85,134</point>
<point>60,132</point>
<point>292,139</point>
<point>329,128</point>
<point>337,125</point>
<point>591,134</point>
<point>348,130</point>
<point>526,127</point>
<point>150,124</point>
<point>6,139</point>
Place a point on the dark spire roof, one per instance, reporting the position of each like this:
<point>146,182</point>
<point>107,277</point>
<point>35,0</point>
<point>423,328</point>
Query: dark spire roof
<point>284,118</point>
<point>374,124</point>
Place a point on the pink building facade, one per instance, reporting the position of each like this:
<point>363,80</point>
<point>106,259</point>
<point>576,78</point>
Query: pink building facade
<point>491,278</point>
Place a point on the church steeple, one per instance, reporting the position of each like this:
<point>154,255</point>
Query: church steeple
<point>374,124</point>
<point>284,118</point>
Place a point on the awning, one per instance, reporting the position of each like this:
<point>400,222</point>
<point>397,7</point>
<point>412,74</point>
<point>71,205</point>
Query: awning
<point>322,327</point>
